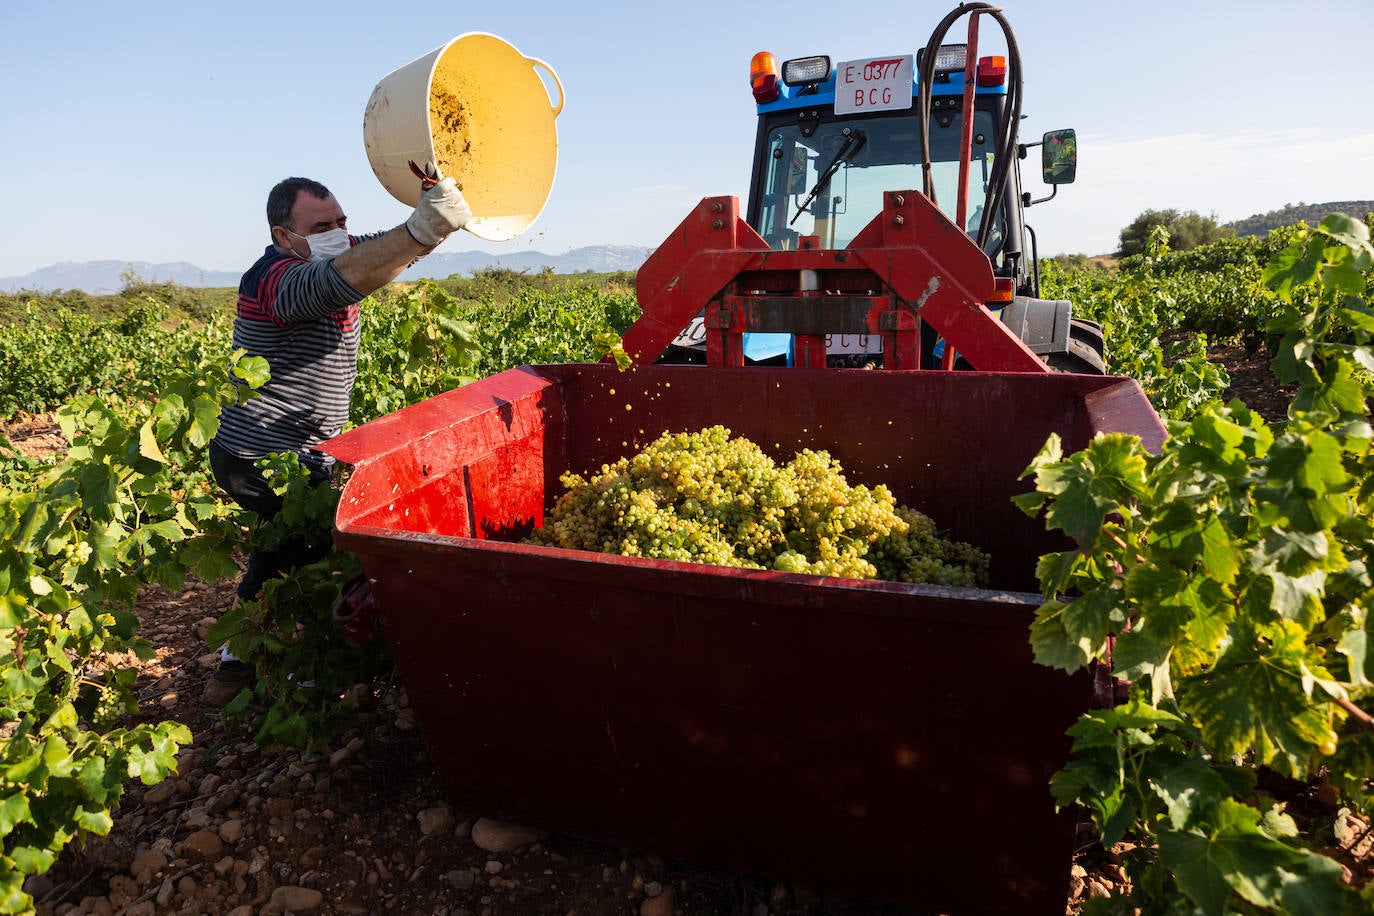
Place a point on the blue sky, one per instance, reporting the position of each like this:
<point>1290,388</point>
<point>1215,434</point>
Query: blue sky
<point>151,131</point>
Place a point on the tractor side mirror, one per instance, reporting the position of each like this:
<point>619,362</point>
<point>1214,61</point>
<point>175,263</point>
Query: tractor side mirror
<point>1059,157</point>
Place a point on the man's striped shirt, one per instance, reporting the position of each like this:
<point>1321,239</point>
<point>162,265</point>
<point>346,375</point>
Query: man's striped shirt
<point>302,316</point>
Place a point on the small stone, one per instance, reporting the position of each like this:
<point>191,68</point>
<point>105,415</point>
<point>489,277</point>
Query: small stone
<point>97,906</point>
<point>231,831</point>
<point>38,886</point>
<point>653,888</point>
<point>500,836</point>
<point>159,793</point>
<point>245,910</point>
<point>204,843</point>
<point>493,867</point>
<point>662,905</point>
<point>223,801</point>
<point>224,865</point>
<point>760,909</point>
<point>346,752</point>
<point>140,908</point>
<point>122,889</point>
<point>435,820</point>
<point>1095,889</point>
<point>460,879</point>
<point>165,892</point>
<point>169,700</point>
<point>292,898</point>
<point>149,860</point>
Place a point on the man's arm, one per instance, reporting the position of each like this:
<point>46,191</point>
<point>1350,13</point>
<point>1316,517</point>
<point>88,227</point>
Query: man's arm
<point>373,264</point>
<point>370,265</point>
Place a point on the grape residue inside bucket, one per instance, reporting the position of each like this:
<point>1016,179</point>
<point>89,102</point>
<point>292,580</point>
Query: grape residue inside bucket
<point>449,131</point>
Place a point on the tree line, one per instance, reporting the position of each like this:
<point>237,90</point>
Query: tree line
<point>1188,229</point>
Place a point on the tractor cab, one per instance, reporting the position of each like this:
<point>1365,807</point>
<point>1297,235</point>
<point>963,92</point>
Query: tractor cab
<point>834,137</point>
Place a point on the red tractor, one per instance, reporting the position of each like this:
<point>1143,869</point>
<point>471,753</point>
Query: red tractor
<point>833,263</point>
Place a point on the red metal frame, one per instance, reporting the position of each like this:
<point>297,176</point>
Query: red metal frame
<point>911,264</point>
<point>966,130</point>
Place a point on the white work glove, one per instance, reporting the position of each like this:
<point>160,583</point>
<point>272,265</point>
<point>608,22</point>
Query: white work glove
<point>441,212</point>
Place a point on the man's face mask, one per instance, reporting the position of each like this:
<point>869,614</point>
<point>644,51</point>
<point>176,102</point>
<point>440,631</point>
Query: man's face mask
<point>323,245</point>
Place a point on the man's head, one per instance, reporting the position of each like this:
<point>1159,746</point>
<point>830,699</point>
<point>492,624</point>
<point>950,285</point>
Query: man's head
<point>298,208</point>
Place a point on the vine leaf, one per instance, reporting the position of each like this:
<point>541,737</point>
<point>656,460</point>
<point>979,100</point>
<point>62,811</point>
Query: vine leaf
<point>1235,854</point>
<point>1257,697</point>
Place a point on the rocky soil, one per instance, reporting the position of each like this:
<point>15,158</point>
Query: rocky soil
<point>364,828</point>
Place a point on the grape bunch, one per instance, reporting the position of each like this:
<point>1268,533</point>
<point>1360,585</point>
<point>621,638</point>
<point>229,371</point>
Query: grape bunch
<point>110,704</point>
<point>708,497</point>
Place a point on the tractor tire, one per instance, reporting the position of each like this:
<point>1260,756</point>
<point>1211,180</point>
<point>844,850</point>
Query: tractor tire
<point>1085,355</point>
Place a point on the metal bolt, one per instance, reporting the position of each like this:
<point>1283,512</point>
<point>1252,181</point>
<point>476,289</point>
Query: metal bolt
<point>717,207</point>
<point>717,224</point>
<point>898,200</point>
<point>899,220</point>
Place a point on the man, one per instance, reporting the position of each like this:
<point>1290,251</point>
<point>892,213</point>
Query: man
<point>298,308</point>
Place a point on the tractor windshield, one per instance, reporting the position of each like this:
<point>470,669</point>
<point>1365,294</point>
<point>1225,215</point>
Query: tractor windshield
<point>887,159</point>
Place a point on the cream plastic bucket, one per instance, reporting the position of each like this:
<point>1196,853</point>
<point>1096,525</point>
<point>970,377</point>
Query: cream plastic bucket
<point>478,109</point>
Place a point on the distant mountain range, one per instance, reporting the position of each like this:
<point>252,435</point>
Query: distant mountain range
<point>103,277</point>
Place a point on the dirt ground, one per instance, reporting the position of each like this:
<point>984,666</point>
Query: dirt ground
<point>365,829</point>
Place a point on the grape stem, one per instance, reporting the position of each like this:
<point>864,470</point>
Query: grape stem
<point>1356,713</point>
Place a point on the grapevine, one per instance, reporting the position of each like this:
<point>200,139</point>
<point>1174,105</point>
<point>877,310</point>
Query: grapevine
<point>706,497</point>
<point>1227,579</point>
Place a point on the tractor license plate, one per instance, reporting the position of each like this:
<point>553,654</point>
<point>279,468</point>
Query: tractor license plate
<point>853,343</point>
<point>693,335</point>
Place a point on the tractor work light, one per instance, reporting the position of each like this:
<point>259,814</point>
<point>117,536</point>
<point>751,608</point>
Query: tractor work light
<point>806,71</point>
<point>992,71</point>
<point>764,77</point>
<point>949,59</point>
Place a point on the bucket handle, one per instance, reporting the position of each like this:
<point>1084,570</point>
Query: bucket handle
<point>537,63</point>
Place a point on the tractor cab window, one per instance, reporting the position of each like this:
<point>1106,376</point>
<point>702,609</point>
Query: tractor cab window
<point>831,183</point>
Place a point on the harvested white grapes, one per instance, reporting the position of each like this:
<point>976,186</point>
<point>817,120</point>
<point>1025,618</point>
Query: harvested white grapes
<point>706,497</point>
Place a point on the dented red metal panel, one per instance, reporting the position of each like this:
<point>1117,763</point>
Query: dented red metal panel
<point>855,735</point>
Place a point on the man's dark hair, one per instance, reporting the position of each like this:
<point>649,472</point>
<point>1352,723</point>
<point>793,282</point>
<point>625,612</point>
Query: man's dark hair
<point>283,197</point>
